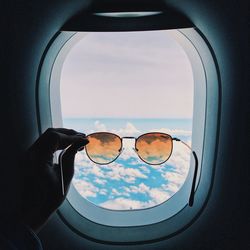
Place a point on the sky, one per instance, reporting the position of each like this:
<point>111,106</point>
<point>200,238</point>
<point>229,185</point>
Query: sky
<point>127,74</point>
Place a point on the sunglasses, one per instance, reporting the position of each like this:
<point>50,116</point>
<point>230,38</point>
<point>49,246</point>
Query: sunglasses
<point>153,148</point>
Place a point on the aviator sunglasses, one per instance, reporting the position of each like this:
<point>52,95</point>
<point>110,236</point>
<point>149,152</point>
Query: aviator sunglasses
<point>153,148</point>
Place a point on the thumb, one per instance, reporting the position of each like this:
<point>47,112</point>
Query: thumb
<point>68,160</point>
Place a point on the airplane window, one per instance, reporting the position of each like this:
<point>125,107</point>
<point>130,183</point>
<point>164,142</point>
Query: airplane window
<point>129,83</point>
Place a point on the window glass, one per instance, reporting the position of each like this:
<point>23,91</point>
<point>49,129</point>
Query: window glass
<point>129,83</point>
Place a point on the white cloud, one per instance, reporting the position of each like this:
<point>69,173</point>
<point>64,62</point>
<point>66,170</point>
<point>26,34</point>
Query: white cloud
<point>144,169</point>
<point>173,131</point>
<point>115,172</point>
<point>87,167</point>
<point>103,191</point>
<point>129,130</point>
<point>159,168</point>
<point>134,189</point>
<point>120,203</point>
<point>158,195</point>
<point>115,192</point>
<point>130,179</point>
<point>100,126</point>
<point>100,181</point>
<point>86,189</point>
<point>124,204</point>
<point>180,158</point>
<point>97,171</point>
<point>81,159</point>
<point>134,173</point>
<point>129,175</point>
<point>128,152</point>
<point>173,177</point>
<point>171,188</point>
<point>141,188</point>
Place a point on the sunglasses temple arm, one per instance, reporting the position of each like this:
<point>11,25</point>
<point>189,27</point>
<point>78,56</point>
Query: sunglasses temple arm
<point>191,197</point>
<point>61,169</point>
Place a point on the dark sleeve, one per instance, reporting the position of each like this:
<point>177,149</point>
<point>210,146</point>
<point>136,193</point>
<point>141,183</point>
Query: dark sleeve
<point>18,237</point>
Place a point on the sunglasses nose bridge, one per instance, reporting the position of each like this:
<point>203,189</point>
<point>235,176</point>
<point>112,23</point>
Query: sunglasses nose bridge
<point>130,138</point>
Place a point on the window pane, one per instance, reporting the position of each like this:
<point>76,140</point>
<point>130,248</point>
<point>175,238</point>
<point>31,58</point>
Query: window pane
<point>129,83</point>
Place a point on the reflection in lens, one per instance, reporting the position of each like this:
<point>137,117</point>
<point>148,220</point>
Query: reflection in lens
<point>103,148</point>
<point>154,148</point>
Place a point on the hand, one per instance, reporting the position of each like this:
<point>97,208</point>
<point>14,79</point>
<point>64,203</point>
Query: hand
<point>42,192</point>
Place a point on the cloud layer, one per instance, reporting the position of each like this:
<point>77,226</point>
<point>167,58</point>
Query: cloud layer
<point>129,183</point>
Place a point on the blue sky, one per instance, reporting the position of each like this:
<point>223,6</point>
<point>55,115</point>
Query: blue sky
<point>129,75</point>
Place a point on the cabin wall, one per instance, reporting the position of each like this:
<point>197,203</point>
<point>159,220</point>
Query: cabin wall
<point>28,27</point>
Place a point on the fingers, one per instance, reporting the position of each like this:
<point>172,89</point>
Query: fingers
<point>54,139</point>
<point>68,131</point>
<point>68,160</point>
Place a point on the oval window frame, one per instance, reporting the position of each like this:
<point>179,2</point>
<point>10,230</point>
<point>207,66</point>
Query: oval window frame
<point>114,225</point>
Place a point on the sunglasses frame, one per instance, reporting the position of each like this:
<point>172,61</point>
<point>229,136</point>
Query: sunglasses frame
<point>135,149</point>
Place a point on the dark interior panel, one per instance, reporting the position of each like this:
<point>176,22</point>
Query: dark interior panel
<point>28,27</point>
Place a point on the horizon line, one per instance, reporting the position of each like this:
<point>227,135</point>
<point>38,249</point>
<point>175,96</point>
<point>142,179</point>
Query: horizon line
<point>82,117</point>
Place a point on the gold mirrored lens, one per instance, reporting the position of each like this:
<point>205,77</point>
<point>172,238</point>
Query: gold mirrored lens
<point>103,147</point>
<point>154,148</point>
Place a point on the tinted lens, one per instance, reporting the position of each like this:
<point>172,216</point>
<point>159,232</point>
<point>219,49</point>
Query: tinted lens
<point>103,148</point>
<point>154,148</point>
